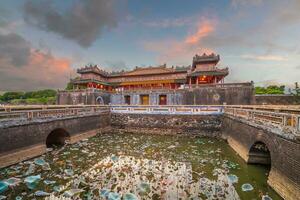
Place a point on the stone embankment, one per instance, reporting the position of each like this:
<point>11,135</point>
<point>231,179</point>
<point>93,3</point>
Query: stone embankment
<point>205,125</point>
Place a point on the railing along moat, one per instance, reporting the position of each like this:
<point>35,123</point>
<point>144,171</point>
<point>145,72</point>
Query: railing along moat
<point>286,119</point>
<point>9,113</point>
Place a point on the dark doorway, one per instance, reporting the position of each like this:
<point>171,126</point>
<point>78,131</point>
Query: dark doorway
<point>259,154</point>
<point>127,99</point>
<point>144,99</point>
<point>162,99</point>
<point>57,137</point>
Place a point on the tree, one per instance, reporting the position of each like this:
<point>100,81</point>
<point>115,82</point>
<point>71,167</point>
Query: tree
<point>271,89</point>
<point>297,92</point>
<point>7,96</point>
<point>70,86</point>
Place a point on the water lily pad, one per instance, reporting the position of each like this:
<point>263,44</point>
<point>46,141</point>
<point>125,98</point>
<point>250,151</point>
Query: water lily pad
<point>30,170</point>
<point>114,196</point>
<point>32,181</point>
<point>39,161</point>
<point>72,192</point>
<point>69,172</point>
<point>3,186</point>
<point>130,196</point>
<point>247,187</point>
<point>104,192</point>
<point>40,193</point>
<point>12,182</point>
<point>49,182</point>
<point>144,188</point>
<point>233,178</point>
<point>58,188</point>
<point>114,158</point>
<point>266,197</point>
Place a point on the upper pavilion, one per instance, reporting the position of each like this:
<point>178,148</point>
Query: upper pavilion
<point>204,70</point>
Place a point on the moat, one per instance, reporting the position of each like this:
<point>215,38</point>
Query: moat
<point>138,166</point>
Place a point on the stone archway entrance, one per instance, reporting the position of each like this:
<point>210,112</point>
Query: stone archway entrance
<point>99,100</point>
<point>57,137</point>
<point>259,154</point>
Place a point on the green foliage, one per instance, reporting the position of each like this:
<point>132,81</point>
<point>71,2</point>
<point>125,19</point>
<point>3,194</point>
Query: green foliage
<point>34,97</point>
<point>297,93</point>
<point>297,89</point>
<point>7,96</point>
<point>34,101</point>
<point>69,86</point>
<point>40,94</point>
<point>272,89</point>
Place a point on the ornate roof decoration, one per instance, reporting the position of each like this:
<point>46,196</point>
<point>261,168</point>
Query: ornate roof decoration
<point>149,70</point>
<point>204,59</point>
<point>92,68</point>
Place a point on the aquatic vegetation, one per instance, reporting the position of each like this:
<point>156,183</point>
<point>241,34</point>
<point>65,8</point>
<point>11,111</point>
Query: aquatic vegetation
<point>41,193</point>
<point>69,172</point>
<point>233,178</point>
<point>266,197</point>
<point>3,186</point>
<point>247,187</point>
<point>114,196</point>
<point>104,192</point>
<point>127,166</point>
<point>39,161</point>
<point>130,196</point>
<point>72,192</point>
<point>49,182</point>
<point>143,188</point>
<point>32,181</point>
<point>12,182</point>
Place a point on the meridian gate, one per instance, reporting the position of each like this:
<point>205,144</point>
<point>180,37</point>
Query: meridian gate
<point>260,135</point>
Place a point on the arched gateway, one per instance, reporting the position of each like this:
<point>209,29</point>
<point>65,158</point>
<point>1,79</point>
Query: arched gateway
<point>57,137</point>
<point>259,153</point>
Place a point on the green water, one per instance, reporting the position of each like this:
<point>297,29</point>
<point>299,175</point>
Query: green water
<point>119,162</point>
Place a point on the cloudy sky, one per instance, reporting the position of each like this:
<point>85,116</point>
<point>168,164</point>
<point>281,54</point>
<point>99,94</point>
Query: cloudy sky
<point>43,42</point>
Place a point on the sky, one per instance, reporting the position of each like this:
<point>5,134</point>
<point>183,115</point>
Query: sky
<point>43,42</point>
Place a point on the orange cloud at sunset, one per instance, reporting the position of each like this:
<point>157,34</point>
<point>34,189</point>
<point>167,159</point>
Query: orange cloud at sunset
<point>181,51</point>
<point>43,70</point>
<point>204,29</point>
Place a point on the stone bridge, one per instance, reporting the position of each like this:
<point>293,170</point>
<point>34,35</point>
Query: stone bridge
<point>263,137</point>
<point>27,132</point>
<point>259,134</point>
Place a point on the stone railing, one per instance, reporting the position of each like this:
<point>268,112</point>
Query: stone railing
<point>87,90</point>
<point>168,110</point>
<point>8,113</point>
<point>219,85</point>
<point>285,118</point>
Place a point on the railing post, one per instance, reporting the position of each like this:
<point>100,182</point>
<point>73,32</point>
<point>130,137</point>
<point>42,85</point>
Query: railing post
<point>29,115</point>
<point>298,123</point>
<point>284,121</point>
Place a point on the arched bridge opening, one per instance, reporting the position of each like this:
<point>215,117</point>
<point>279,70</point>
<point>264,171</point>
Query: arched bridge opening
<point>259,153</point>
<point>57,137</point>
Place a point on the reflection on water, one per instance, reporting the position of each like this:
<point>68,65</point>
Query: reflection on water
<point>132,166</point>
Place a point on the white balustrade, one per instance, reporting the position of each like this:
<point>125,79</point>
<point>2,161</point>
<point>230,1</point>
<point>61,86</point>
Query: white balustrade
<point>272,116</point>
<point>168,110</point>
<point>259,115</point>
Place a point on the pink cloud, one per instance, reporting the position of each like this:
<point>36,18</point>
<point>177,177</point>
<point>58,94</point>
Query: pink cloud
<point>203,30</point>
<point>43,70</point>
<point>181,51</point>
